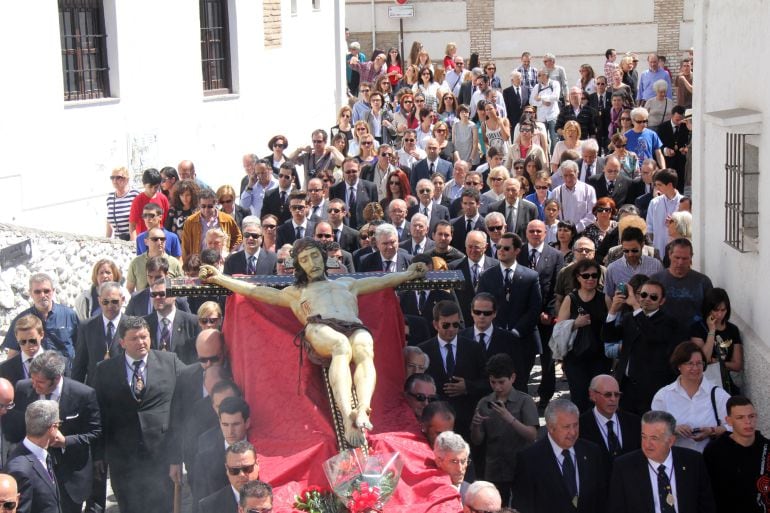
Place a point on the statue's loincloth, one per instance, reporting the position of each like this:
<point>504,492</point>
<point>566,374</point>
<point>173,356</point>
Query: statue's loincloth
<point>347,328</point>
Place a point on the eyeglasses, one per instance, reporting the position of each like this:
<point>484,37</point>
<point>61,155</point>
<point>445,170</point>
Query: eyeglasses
<point>107,302</point>
<point>633,250</point>
<point>279,145</point>
<point>518,167</point>
<point>447,325</point>
<point>334,210</point>
<point>297,207</point>
<point>496,178</point>
<point>345,115</point>
<point>505,248</point>
<point>363,236</point>
<point>409,140</point>
<point>407,101</point>
<point>115,178</point>
<point>8,505</point>
<point>324,236</point>
<point>246,469</point>
<point>225,202</point>
<point>208,359</point>
<point>209,320</point>
<point>156,239</point>
<point>494,228</point>
<point>425,191</point>
<point>366,143</point>
<point>641,121</point>
<point>33,341</point>
<point>484,313</point>
<point>159,293</point>
<point>610,395</point>
<point>420,101</point>
<point>601,83</point>
<point>148,216</point>
<point>472,184</point>
<point>424,398</point>
<point>250,235</point>
<point>42,291</point>
<point>645,295</point>
<point>268,226</point>
<point>603,209</point>
<point>541,187</point>
<point>364,90</point>
<point>582,250</point>
<point>386,155</point>
<point>206,207</point>
<point>361,129</point>
<point>589,276</point>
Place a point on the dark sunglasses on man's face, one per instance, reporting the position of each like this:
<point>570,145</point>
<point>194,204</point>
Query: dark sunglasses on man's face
<point>32,341</point>
<point>246,469</point>
<point>447,325</point>
<point>484,313</point>
<point>424,398</point>
<point>208,359</point>
<point>645,295</point>
<point>250,235</point>
<point>632,250</point>
<point>159,293</point>
<point>107,302</point>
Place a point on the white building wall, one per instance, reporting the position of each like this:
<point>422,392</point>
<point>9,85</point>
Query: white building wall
<point>58,155</point>
<point>734,33</point>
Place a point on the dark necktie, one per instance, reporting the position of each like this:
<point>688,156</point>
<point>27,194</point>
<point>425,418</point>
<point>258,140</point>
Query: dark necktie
<point>283,199</point>
<point>533,259</point>
<point>432,168</point>
<point>49,467</point>
<point>298,232</point>
<point>351,199</point>
<point>314,216</point>
<point>610,186</point>
<point>665,494</point>
<point>137,381</point>
<point>386,266</point>
<point>508,281</point>
<point>337,234</point>
<point>400,231</point>
<point>251,267</point>
<point>518,93</point>
<point>613,444</point>
<point>475,274</point>
<point>468,225</point>
<point>425,212</point>
<point>483,342</point>
<point>165,335</point>
<point>108,339</point>
<point>416,250</point>
<point>450,360</point>
<point>570,477</point>
<point>423,297</point>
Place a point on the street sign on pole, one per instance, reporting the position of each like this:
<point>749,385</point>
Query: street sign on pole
<point>400,11</point>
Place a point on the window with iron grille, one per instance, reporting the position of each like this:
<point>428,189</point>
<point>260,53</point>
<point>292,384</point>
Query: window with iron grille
<point>83,50</point>
<point>741,191</point>
<point>215,47</point>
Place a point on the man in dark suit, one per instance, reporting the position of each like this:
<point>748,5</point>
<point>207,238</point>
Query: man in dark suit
<point>190,418</point>
<point>298,226</point>
<point>560,472</point>
<point>252,259</point>
<point>491,340</point>
<point>518,212</point>
<point>396,215</point>
<point>648,337</point>
<point>646,187</point>
<point>519,302</point>
<point>431,164</point>
<point>241,459</point>
<point>466,91</point>
<point>29,334</point>
<point>276,200</point>
<point>140,303</point>
<point>9,492</point>
<point>323,233</point>
<point>469,220</point>
<point>171,329</point>
<point>589,163</point>
<point>433,211</point>
<point>355,192</point>
<point>660,477</point>
<point>456,365</point>
<point>615,432</point>
<point>421,302</point>
<point>134,392</point>
<point>344,235</point>
<point>601,102</point>
<point>386,240</point>
<point>38,491</point>
<point>675,137</point>
<point>472,180</point>
<point>98,336</point>
<point>547,262</point>
<point>515,97</point>
<point>577,110</point>
<point>418,242</point>
<point>78,430</point>
<point>611,183</point>
<point>472,266</point>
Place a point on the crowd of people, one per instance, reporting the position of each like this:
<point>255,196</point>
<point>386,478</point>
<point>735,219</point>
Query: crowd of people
<point>561,208</point>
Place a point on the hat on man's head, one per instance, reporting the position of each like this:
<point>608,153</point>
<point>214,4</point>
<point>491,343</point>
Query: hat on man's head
<point>688,114</point>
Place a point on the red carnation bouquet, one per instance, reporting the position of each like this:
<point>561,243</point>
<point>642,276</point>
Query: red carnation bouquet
<point>363,483</point>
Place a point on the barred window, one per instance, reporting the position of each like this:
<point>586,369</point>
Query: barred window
<point>741,191</point>
<point>215,47</point>
<point>83,49</point>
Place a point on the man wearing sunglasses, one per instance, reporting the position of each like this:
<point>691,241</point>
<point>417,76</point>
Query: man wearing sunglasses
<point>419,391</point>
<point>456,365</point>
<point>29,335</point>
<point>616,432</point>
<point>9,493</point>
<point>78,429</point>
<point>152,215</point>
<point>241,466</point>
<point>298,226</point>
<point>252,259</point>
<point>648,337</point>
<point>433,211</point>
<point>208,217</point>
<point>344,235</point>
<point>171,329</point>
<point>633,262</point>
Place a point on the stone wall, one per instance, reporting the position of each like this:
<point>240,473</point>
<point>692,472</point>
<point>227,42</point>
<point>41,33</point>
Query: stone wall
<point>67,258</point>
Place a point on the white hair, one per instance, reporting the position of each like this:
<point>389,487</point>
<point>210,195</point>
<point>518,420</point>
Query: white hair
<point>449,441</point>
<point>384,230</point>
<point>590,145</point>
<point>421,217</point>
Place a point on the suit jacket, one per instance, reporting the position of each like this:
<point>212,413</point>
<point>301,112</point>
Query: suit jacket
<point>287,234</point>
<point>222,501</point>
<point>422,170</point>
<point>419,329</point>
<point>514,105</point>
<point>360,254</point>
<point>366,192</point>
<point>408,245</point>
<point>643,203</point>
<point>456,207</point>
<point>81,427</point>
<point>466,92</point>
<point>635,190</point>
<point>135,430</point>
<point>631,488</point>
<point>410,305</point>
<point>271,204</point>
<point>184,331</point>
<point>373,262</point>
<point>548,266</point>
<point>348,238</point>
<point>526,212</point>
<point>465,295</point>
<point>602,114</point>
<point>674,142</point>
<point>469,365</point>
<point>437,213</point>
<point>236,263</point>
<point>208,467</point>
<point>597,170</point>
<point>630,432</point>
<point>91,348</point>
<point>539,487</point>
<point>586,118</point>
<point>13,368</point>
<point>619,194</point>
<point>38,492</point>
<point>140,304</point>
<point>459,230</point>
<point>502,342</point>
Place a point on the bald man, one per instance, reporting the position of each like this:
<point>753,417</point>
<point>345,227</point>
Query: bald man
<point>191,412</point>
<point>9,493</point>
<point>6,402</point>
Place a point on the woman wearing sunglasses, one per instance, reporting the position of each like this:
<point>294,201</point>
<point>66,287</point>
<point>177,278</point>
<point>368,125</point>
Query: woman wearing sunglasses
<point>586,306</point>
<point>604,210</point>
<point>277,144</point>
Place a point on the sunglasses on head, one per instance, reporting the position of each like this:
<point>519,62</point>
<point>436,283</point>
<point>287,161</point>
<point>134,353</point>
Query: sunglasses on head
<point>645,295</point>
<point>246,469</point>
<point>447,325</point>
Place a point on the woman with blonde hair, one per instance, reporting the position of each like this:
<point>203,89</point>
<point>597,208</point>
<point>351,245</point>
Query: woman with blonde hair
<point>414,52</point>
<point>343,125</point>
<point>210,316</point>
<point>571,133</point>
<point>496,182</point>
<point>449,56</point>
<point>423,61</point>
<point>87,303</point>
<point>447,149</point>
<point>217,239</point>
<point>410,78</point>
<point>226,200</point>
<point>360,130</point>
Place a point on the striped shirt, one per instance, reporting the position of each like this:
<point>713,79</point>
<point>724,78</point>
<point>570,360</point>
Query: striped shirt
<point>118,210</point>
